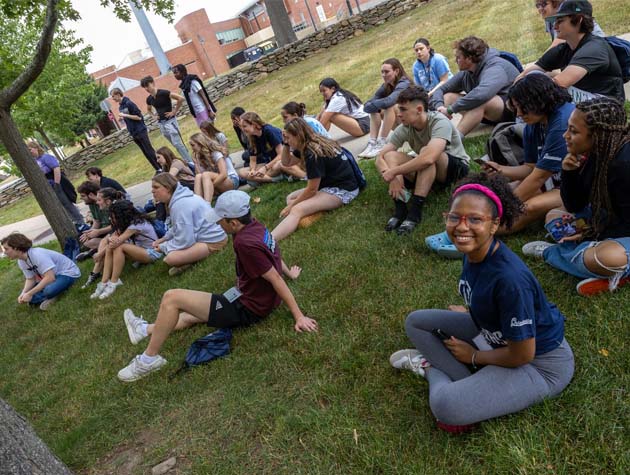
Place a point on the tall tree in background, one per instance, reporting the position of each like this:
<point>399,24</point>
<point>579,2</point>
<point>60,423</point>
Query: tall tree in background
<point>280,22</point>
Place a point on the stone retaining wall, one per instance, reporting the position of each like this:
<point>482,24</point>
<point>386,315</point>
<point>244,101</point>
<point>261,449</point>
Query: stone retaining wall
<point>238,78</point>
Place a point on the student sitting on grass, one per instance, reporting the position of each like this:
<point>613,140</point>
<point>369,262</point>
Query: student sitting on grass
<point>342,108</point>
<point>47,273</point>
<point>440,158</point>
<point>431,69</point>
<point>505,350</point>
<point>132,238</point>
<point>382,106</point>
<point>331,180</point>
<point>547,9</point>
<point>210,130</point>
<point>485,77</point>
<point>235,116</point>
<point>545,107</point>
<point>595,184</point>
<point>265,148</point>
<point>95,175</point>
<point>213,171</point>
<point>88,191</point>
<point>176,167</point>
<point>191,237</point>
<point>259,290</point>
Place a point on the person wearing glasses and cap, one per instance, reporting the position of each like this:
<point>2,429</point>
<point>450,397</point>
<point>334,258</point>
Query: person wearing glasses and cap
<point>589,66</point>
<point>260,289</point>
<point>548,8</point>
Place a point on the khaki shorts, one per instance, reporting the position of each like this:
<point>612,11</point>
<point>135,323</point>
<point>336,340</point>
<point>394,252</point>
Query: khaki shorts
<point>215,247</point>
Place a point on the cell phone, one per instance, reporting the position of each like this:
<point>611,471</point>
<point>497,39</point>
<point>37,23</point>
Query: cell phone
<point>479,161</point>
<point>440,334</point>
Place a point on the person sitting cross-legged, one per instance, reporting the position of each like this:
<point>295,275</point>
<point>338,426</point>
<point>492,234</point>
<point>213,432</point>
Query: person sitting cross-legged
<point>440,158</point>
<point>260,289</point>
<point>88,191</point>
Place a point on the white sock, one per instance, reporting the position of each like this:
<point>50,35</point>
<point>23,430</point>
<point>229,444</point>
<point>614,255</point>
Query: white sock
<point>143,329</point>
<point>147,359</point>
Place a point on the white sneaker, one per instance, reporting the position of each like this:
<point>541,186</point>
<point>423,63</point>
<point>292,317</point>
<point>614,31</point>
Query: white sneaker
<point>47,303</point>
<point>134,324</point>
<point>369,149</point>
<point>99,290</point>
<point>536,248</point>
<point>136,369</point>
<point>410,360</point>
<point>376,149</point>
<point>110,288</point>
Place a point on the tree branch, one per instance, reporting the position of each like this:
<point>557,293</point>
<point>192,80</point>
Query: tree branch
<point>21,84</point>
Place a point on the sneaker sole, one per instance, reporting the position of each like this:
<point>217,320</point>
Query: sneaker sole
<point>127,315</point>
<point>590,287</point>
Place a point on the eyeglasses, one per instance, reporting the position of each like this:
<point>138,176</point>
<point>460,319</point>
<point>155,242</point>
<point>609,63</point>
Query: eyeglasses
<point>540,5</point>
<point>453,219</point>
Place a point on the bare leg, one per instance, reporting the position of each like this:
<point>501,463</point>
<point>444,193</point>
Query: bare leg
<point>491,110</point>
<point>610,254</point>
<point>375,124</point>
<point>194,253</point>
<point>320,202</point>
<point>347,124</point>
<point>389,118</point>
<point>535,209</point>
<point>293,195</point>
<point>99,257</point>
<point>108,264</point>
<point>207,186</point>
<point>118,263</point>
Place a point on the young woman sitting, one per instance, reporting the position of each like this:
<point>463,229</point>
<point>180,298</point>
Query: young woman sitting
<point>382,106</point>
<point>431,69</point>
<point>342,108</point>
<point>504,351</point>
<point>176,167</point>
<point>190,237</point>
<point>331,180</point>
<point>132,238</point>
<point>593,228</point>
<point>265,148</point>
<point>210,130</point>
<point>213,172</point>
<point>47,273</point>
<point>545,107</point>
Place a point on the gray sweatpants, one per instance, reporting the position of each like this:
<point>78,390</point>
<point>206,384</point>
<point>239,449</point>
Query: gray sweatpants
<point>69,206</point>
<point>170,131</point>
<point>459,397</point>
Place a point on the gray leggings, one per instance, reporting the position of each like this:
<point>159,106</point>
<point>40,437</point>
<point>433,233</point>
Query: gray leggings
<point>459,397</point>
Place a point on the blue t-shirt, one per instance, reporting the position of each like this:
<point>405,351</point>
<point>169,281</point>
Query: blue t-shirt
<point>266,144</point>
<point>134,127</point>
<point>317,126</point>
<point>506,302</point>
<point>545,146</point>
<point>428,75</point>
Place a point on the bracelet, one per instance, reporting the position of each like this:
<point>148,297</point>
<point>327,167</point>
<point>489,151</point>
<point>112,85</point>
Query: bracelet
<point>472,359</point>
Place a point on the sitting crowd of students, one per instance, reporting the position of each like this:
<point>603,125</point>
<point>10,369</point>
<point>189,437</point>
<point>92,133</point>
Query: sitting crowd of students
<point>502,352</point>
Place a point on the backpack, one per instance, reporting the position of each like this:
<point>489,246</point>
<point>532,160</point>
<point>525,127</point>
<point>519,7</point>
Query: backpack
<point>71,249</point>
<point>358,173</point>
<point>505,144</point>
<point>512,58</point>
<point>207,348</point>
<point>621,48</point>
<point>160,227</point>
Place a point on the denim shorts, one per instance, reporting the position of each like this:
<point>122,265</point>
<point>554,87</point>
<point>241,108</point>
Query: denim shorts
<point>154,255</point>
<point>235,181</point>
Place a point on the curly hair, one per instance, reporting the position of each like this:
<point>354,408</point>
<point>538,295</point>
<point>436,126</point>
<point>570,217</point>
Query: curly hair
<point>472,47</point>
<point>110,194</point>
<point>608,124</point>
<point>318,145</point>
<point>208,148</point>
<point>88,187</point>
<point>513,207</point>
<point>413,94</point>
<point>537,93</point>
<point>123,214</point>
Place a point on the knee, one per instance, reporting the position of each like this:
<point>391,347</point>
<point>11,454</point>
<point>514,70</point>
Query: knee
<point>413,323</point>
<point>446,406</point>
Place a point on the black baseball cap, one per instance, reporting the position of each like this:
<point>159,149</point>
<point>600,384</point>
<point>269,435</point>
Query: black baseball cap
<point>572,7</point>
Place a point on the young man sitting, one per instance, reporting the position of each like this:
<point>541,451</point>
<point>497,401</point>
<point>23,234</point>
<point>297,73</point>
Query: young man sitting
<point>95,175</point>
<point>440,158</point>
<point>88,190</point>
<point>260,289</point>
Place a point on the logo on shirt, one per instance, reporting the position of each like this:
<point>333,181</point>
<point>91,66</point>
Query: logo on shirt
<point>465,291</point>
<point>520,323</point>
<point>493,338</point>
<point>269,241</point>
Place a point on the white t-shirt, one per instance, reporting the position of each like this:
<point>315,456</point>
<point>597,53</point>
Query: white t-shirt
<point>339,104</point>
<point>221,139</point>
<point>195,97</point>
<point>231,172</point>
<point>40,260</point>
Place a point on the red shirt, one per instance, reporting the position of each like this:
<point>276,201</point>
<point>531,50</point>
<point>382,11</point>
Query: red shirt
<point>256,252</point>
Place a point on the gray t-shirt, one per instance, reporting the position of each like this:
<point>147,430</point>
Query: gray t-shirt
<point>39,261</point>
<point>438,127</point>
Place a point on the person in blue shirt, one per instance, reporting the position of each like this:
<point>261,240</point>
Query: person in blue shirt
<point>431,69</point>
<point>505,350</point>
<point>545,107</point>
<point>265,149</point>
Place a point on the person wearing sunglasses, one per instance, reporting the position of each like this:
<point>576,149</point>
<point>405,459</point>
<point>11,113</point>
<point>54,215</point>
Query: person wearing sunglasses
<point>548,8</point>
<point>505,350</point>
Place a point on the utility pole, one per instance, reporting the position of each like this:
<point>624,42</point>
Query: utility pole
<point>203,42</point>
<point>149,35</point>
<point>349,7</point>
<point>310,14</point>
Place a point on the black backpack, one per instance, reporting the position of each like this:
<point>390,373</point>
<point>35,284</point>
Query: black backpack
<point>358,173</point>
<point>505,144</point>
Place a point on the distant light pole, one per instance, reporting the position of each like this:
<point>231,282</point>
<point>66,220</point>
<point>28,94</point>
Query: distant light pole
<point>349,7</point>
<point>308,8</point>
<point>203,42</point>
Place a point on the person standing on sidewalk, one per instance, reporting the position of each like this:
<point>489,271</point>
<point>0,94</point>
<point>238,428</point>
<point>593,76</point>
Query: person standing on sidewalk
<point>160,105</point>
<point>199,103</point>
<point>136,127</point>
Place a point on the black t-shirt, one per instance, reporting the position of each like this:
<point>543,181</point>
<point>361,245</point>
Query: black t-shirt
<point>335,172</point>
<point>161,103</point>
<point>111,183</point>
<point>596,56</point>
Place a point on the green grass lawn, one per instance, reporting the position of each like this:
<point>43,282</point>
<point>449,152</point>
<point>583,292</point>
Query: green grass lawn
<point>325,403</point>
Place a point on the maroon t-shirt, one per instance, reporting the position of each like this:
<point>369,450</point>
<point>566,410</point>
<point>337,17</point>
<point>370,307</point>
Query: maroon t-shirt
<point>256,252</point>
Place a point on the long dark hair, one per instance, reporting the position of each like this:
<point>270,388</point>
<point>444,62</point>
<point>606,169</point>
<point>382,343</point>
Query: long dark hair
<point>294,108</point>
<point>123,214</point>
<point>352,100</point>
<point>537,93</point>
<point>396,65</point>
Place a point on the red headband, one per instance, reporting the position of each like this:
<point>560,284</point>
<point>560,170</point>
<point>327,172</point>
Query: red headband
<point>486,191</point>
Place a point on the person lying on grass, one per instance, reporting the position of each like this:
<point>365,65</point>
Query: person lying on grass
<point>260,289</point>
<point>505,350</point>
<point>331,180</point>
<point>214,172</point>
<point>47,273</point>
<point>190,237</point>
<point>440,158</point>
<point>594,187</point>
<point>132,238</point>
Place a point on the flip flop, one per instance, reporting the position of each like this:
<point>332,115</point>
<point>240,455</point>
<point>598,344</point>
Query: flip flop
<point>437,240</point>
<point>449,251</point>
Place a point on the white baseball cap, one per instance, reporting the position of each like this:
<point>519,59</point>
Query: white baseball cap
<point>230,204</point>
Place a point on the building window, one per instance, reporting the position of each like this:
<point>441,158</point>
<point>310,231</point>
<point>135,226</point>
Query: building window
<point>229,36</point>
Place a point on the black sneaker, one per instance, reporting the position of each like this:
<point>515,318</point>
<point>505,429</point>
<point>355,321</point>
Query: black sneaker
<point>85,255</point>
<point>406,227</point>
<point>92,278</point>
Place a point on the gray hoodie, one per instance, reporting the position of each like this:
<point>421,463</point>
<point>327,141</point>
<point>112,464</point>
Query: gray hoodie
<point>189,222</point>
<point>492,77</point>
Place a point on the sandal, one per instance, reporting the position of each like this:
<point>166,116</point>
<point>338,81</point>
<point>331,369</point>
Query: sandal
<point>392,223</point>
<point>406,227</point>
<point>437,240</point>
<point>449,251</point>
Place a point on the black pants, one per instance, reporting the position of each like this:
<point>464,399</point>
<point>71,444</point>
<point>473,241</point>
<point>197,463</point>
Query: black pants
<point>142,141</point>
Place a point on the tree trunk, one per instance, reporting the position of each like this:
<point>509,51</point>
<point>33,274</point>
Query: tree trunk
<point>280,22</point>
<point>51,145</point>
<point>53,210</point>
<point>21,451</point>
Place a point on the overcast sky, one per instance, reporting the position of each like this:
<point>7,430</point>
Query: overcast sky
<point>111,38</point>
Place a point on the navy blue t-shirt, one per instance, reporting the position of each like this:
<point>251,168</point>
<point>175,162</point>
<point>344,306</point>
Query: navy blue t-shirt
<point>266,144</point>
<point>134,127</point>
<point>545,145</point>
<point>506,302</point>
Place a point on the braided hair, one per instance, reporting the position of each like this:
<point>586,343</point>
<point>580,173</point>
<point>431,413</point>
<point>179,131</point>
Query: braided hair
<point>607,122</point>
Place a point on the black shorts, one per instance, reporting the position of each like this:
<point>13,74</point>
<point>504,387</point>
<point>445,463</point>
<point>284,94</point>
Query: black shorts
<point>364,123</point>
<point>223,314</point>
<point>455,170</point>
<point>508,115</point>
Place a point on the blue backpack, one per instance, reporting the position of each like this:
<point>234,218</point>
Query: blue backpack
<point>512,58</point>
<point>207,348</point>
<point>71,249</point>
<point>160,227</point>
<point>621,48</point>
<point>358,173</point>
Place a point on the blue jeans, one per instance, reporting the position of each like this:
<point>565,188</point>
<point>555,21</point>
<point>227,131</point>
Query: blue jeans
<point>170,130</point>
<point>61,283</point>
